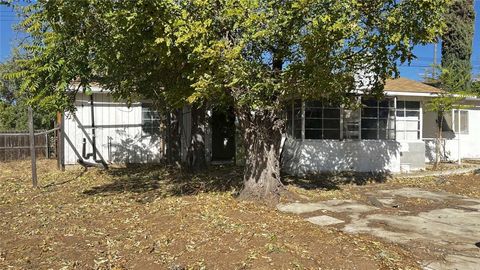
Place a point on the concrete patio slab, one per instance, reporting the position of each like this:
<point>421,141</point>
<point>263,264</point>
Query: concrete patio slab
<point>457,262</point>
<point>324,220</point>
<point>419,193</point>
<point>451,233</point>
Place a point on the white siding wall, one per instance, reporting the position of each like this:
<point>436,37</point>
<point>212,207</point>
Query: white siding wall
<point>469,143</point>
<point>118,130</point>
<point>315,156</point>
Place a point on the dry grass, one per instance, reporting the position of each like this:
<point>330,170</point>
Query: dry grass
<point>157,218</point>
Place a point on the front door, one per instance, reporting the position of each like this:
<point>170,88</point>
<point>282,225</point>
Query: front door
<point>223,135</point>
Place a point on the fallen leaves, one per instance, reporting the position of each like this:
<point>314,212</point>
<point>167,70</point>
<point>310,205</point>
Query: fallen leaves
<point>159,218</point>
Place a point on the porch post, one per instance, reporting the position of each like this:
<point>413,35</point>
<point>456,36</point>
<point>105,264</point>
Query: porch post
<point>459,139</point>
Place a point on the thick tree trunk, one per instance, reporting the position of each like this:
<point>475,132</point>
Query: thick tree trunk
<point>262,133</point>
<point>196,155</point>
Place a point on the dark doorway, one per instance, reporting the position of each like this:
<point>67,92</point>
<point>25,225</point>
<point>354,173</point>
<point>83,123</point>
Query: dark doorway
<point>223,135</point>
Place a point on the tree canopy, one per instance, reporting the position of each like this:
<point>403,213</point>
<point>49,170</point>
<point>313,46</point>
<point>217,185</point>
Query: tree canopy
<point>457,42</point>
<point>291,47</point>
<point>253,54</point>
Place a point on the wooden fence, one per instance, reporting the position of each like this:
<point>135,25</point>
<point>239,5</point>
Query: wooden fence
<point>16,146</point>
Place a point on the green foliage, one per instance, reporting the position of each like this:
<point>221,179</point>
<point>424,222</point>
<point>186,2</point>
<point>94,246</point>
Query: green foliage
<point>125,46</point>
<point>457,41</point>
<point>263,52</point>
<point>454,83</point>
<point>455,71</point>
<point>256,53</point>
<point>445,102</point>
<point>13,106</point>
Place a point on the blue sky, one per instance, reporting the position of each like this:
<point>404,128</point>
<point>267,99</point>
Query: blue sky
<point>9,38</point>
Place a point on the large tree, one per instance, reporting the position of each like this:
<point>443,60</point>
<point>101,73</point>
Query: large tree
<point>457,41</point>
<point>125,46</point>
<point>262,54</point>
<point>255,55</point>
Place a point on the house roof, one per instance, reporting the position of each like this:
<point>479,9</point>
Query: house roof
<point>409,86</point>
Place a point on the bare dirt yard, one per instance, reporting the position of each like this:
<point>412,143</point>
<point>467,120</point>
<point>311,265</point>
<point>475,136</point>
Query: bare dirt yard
<point>157,218</point>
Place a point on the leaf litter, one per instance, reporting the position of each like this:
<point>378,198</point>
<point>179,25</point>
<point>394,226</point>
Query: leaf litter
<point>155,217</point>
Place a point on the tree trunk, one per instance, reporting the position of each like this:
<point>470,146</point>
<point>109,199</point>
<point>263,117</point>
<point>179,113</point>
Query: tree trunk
<point>173,137</point>
<point>439,139</point>
<point>196,155</point>
<point>262,133</point>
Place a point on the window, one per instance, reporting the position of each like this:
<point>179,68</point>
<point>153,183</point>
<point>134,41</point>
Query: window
<point>460,121</point>
<point>313,120</point>
<point>289,117</point>
<point>322,120</point>
<point>150,120</point>
<point>378,119</point>
<point>408,120</point>
<point>317,120</point>
<point>447,122</point>
<point>351,124</point>
<point>297,120</point>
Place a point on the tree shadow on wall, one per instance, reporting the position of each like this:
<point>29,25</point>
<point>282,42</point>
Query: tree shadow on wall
<point>445,154</point>
<point>158,181</point>
<point>140,148</point>
<point>309,160</point>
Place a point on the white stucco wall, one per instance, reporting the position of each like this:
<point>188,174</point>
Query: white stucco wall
<point>469,144</point>
<point>316,156</point>
<point>119,134</point>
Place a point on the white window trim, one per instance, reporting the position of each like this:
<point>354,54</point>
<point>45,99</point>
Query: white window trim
<point>456,115</point>
<point>420,122</point>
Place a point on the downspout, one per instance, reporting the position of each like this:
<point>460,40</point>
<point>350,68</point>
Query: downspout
<point>94,144</point>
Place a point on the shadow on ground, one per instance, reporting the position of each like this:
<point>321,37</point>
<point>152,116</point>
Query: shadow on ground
<point>162,181</point>
<point>333,181</point>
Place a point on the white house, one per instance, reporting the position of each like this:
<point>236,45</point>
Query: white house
<point>391,135</point>
<point>132,134</point>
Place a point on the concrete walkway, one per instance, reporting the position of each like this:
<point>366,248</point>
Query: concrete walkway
<point>457,171</point>
<point>443,232</point>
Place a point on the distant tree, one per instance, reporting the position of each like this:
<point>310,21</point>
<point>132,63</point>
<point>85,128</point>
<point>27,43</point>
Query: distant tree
<point>456,69</point>
<point>256,55</point>
<point>457,41</point>
<point>454,93</point>
<point>13,105</point>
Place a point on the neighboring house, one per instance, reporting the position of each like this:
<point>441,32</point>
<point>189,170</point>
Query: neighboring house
<point>392,135</point>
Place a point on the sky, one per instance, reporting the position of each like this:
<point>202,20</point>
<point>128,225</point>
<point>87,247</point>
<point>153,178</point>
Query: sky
<point>9,38</point>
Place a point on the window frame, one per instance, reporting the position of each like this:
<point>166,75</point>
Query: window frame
<point>456,127</point>
<point>419,120</point>
<point>323,107</point>
<point>297,110</point>
<point>388,131</point>
<point>152,124</point>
